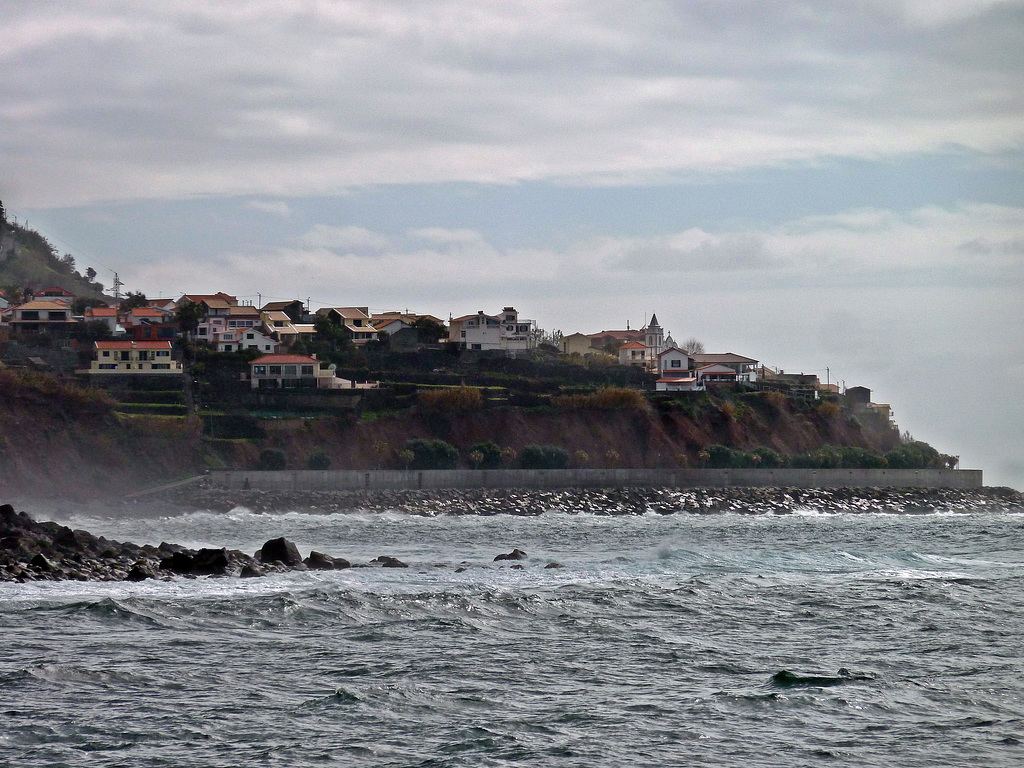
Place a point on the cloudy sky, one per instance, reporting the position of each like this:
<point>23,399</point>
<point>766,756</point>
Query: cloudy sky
<point>828,187</point>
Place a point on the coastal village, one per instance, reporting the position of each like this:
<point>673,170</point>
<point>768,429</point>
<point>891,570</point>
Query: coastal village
<point>133,338</point>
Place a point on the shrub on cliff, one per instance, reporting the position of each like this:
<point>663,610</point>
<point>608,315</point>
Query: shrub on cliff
<point>543,457</point>
<point>431,454</point>
<point>272,459</point>
<point>490,455</point>
<point>606,398</point>
<point>318,460</point>
<point>451,400</point>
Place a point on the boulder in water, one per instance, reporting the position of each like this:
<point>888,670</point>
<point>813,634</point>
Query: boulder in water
<point>515,554</point>
<point>386,561</point>
<point>281,550</point>
<point>318,561</point>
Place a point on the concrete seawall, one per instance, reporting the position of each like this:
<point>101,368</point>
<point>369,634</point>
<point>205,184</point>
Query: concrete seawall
<point>379,480</point>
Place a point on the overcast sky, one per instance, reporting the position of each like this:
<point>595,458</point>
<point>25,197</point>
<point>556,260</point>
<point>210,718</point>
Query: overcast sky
<point>828,187</point>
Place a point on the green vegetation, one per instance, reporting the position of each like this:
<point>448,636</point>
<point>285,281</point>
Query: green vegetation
<point>543,457</point>
<point>489,453</point>
<point>272,459</point>
<point>318,460</point>
<point>431,454</point>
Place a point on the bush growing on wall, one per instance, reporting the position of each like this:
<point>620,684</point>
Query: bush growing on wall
<point>543,457</point>
<point>272,459</point>
<point>432,454</point>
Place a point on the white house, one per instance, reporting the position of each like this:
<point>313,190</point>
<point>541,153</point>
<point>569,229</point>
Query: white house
<point>674,372</point>
<point>133,358</point>
<point>246,338</point>
<point>505,330</point>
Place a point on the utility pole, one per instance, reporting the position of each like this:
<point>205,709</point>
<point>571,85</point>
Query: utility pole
<point>117,286</point>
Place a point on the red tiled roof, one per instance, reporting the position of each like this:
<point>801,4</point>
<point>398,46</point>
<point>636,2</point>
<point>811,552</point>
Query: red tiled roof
<point>633,345</point>
<point>101,312</point>
<point>146,312</point>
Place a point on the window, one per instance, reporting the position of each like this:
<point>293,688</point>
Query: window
<point>161,366</point>
<point>202,330</point>
<point>307,370</point>
<point>250,336</point>
<point>275,370</point>
<point>125,354</point>
<point>476,346</point>
<point>227,347</point>
<point>676,363</point>
<point>29,315</point>
<point>108,366</point>
<point>106,353</point>
<point>259,370</point>
<point>58,315</point>
<point>289,370</point>
<point>163,353</point>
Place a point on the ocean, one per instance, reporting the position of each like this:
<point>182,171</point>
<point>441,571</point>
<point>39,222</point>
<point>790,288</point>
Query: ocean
<point>805,639</point>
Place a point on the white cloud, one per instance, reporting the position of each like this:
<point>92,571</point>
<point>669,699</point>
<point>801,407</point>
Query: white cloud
<point>349,238</point>
<point>114,100</point>
<point>275,207</point>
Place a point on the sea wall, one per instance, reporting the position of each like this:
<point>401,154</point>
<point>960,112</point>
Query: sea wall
<point>349,480</point>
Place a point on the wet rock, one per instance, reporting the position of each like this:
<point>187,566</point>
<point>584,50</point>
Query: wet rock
<point>179,562</point>
<point>553,564</point>
<point>42,563</point>
<point>141,571</point>
<point>210,562</point>
<point>251,570</point>
<point>515,554</point>
<point>281,550</point>
<point>318,561</point>
<point>386,561</point>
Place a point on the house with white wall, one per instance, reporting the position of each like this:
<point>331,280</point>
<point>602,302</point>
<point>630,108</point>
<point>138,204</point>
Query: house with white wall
<point>505,331</point>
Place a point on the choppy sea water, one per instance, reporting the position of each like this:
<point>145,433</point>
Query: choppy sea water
<point>655,644</point>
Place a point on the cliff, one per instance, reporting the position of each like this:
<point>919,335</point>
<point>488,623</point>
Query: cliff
<point>59,440</point>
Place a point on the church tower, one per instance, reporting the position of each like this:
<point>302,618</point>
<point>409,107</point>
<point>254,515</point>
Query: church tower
<point>655,338</point>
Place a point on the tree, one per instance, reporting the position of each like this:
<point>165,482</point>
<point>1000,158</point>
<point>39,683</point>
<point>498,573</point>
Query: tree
<point>429,331</point>
<point>543,457</point>
<point>692,346</point>
<point>490,455</point>
<point>90,274</point>
<point>3,213</point>
<point>432,454</point>
<point>272,459</point>
<point>133,300</point>
<point>188,315</point>
<point>318,460</point>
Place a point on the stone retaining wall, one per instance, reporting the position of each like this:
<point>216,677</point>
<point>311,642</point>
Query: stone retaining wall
<point>347,480</point>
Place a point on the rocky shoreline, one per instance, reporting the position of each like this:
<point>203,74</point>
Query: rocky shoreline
<point>604,501</point>
<point>34,551</point>
<point>47,551</point>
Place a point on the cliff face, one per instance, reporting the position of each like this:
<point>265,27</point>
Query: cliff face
<point>58,440</point>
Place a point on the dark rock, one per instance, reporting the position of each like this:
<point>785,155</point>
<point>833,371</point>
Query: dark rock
<point>179,562</point>
<point>515,554</point>
<point>41,563</point>
<point>318,561</point>
<point>386,561</point>
<point>210,562</point>
<point>518,567</point>
<point>460,569</point>
<point>251,570</point>
<point>553,564</point>
<point>281,550</point>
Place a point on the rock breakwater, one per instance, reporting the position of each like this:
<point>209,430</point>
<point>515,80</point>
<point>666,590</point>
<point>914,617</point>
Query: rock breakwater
<point>607,501</point>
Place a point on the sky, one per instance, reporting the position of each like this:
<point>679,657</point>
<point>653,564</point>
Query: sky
<point>827,187</point>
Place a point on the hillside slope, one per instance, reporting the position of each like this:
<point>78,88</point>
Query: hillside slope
<point>59,440</point>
